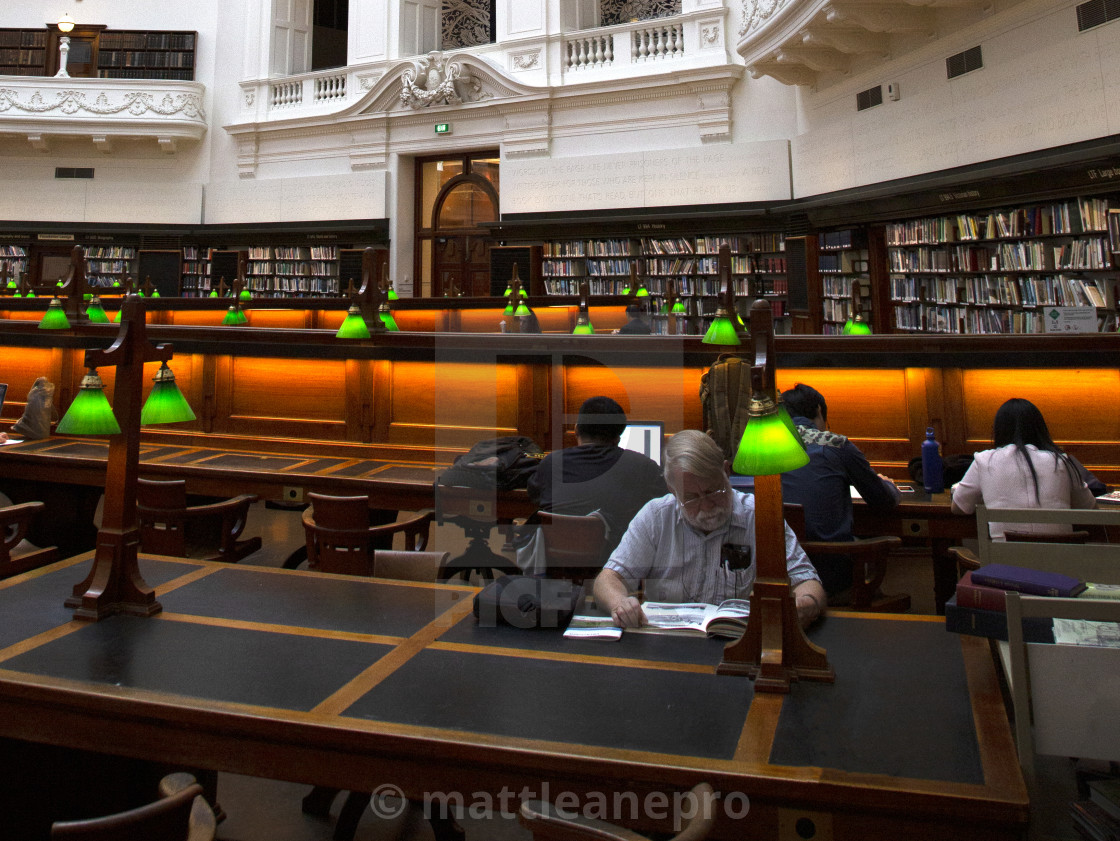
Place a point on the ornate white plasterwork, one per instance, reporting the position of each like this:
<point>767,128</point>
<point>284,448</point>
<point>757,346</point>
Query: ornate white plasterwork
<point>437,80</point>
<point>757,12</point>
<point>526,60</point>
<point>710,36</point>
<point>136,103</point>
<point>366,81</point>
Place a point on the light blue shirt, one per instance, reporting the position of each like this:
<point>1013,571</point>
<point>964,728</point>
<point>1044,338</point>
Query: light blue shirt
<point>681,564</point>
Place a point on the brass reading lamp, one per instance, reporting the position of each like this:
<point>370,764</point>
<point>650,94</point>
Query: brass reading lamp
<point>583,319</point>
<point>370,296</point>
<point>636,287</point>
<point>774,650</point>
<point>724,329</point>
<point>114,583</point>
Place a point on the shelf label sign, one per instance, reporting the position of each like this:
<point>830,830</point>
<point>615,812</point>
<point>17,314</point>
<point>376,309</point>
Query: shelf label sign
<point>1071,319</point>
<point>443,128</point>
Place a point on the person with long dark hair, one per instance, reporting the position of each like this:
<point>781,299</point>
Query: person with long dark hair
<point>1026,469</point>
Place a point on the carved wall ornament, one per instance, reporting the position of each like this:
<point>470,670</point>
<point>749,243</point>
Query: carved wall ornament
<point>526,61</point>
<point>136,103</point>
<point>435,79</point>
<point>709,35</point>
<point>757,12</point>
<point>250,98</point>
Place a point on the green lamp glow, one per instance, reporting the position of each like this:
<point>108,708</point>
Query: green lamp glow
<point>16,294</point>
<point>509,307</point>
<point>140,292</point>
<point>117,317</point>
<point>393,296</point>
<point>30,293</point>
<point>388,320</point>
<point>12,283</point>
<point>722,332</point>
<point>95,312</point>
<point>857,327</point>
<point>155,293</point>
<point>522,309</point>
<point>353,326</point>
<point>235,316</point>
<point>245,295</point>
<point>768,446</point>
<point>116,284</point>
<point>679,308</point>
<point>642,291</point>
<point>86,296</point>
<point>508,292</point>
<point>583,328</point>
<point>90,413</point>
<point>213,293</point>
<point>55,317</point>
<point>166,403</point>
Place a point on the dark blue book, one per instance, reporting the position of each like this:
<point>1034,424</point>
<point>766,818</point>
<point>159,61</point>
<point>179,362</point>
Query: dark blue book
<point>993,623</point>
<point>1033,582</point>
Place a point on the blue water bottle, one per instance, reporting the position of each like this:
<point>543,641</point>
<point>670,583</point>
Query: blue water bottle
<point>933,475</point>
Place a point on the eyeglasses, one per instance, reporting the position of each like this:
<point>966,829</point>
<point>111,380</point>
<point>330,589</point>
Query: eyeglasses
<point>696,501</point>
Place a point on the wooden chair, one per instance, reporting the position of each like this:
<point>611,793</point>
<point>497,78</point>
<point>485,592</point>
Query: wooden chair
<point>181,814</point>
<point>168,526</point>
<point>547,823</point>
<point>341,540</point>
<point>869,565</point>
<point>17,555</point>
<point>472,509</point>
<point>573,545</point>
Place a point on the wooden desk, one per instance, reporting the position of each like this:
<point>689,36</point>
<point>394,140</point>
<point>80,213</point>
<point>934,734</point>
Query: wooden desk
<point>357,683</point>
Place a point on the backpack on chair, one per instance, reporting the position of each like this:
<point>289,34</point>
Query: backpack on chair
<point>725,395</point>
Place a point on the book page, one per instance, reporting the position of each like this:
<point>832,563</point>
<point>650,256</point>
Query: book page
<point>678,617</point>
<point>592,627</point>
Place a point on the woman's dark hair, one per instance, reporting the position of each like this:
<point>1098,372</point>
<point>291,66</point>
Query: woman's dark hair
<point>804,401</point>
<point>1019,422</point>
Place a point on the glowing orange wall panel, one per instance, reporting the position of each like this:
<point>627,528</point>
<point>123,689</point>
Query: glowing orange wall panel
<point>301,389</point>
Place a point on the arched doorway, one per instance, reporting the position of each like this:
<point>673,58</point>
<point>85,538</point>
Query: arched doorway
<point>457,203</point>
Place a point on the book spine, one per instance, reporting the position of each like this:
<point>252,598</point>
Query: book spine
<point>1031,588</point>
<point>971,594</point>
<point>992,624</point>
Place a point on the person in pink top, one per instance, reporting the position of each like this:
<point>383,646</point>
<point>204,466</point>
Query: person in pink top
<point>1026,469</point>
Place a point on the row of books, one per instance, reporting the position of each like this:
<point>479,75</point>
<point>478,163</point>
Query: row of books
<point>846,262</point>
<point>25,38</point>
<point>292,284</point>
<point>12,251</point>
<point>1070,217</point>
<point>1057,290</point>
<point>147,40</point>
<point>958,319</point>
<point>115,252</point>
<point>143,58</point>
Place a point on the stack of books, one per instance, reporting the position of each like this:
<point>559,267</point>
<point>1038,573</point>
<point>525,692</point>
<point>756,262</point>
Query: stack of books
<point>980,608</point>
<point>1098,818</point>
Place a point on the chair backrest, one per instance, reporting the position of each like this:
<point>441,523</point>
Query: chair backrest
<point>548,823</point>
<point>161,506</point>
<point>1098,562</point>
<point>170,494</point>
<point>15,555</point>
<point>574,545</point>
<point>338,534</point>
<point>409,566</point>
<point>182,816</point>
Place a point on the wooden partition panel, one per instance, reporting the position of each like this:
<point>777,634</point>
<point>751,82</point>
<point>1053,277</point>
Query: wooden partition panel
<point>19,369</point>
<point>297,398</point>
<point>267,319</point>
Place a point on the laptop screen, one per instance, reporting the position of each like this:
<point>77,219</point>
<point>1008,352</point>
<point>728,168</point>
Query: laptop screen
<point>645,438</point>
<point>3,391</point>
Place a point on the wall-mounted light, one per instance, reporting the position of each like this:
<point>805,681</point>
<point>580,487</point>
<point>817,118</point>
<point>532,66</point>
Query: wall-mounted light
<point>65,24</point>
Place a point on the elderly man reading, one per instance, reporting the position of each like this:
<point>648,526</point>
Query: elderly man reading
<point>696,544</point>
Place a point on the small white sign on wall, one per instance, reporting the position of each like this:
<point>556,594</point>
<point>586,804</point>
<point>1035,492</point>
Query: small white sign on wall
<point>1071,319</point>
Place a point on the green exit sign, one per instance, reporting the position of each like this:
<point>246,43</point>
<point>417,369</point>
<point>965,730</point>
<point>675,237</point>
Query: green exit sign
<point>443,128</point>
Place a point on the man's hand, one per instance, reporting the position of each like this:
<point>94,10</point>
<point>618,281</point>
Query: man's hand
<point>627,613</point>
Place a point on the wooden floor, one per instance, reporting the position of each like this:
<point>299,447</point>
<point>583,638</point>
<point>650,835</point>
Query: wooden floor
<point>265,810</point>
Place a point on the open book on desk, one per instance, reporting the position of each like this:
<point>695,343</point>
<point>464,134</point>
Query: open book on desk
<point>727,620</point>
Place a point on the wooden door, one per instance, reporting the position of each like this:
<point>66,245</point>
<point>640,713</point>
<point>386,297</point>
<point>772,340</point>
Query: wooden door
<point>461,264</point>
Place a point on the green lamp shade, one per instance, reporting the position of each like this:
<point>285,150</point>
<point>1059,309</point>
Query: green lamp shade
<point>16,294</point>
<point>625,290</point>
<point>584,330</point>
<point>166,403</point>
<point>54,318</point>
<point>12,284</point>
<point>155,293</point>
<point>393,296</point>
<point>860,328</point>
<point>508,292</point>
<point>95,312</point>
<point>213,293</point>
<point>509,308</point>
<point>642,291</point>
<point>847,328</point>
<point>389,322</point>
<point>353,326</point>
<point>233,316</point>
<point>722,332</point>
<point>87,297</point>
<point>116,284</point>
<point>117,317</point>
<point>768,447</point>
<point>679,308</point>
<point>140,292</point>
<point>30,293</point>
<point>245,295</point>
<point>522,309</point>
<point>90,413</point>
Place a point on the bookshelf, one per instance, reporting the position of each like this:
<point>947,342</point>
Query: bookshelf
<point>106,264</point>
<point>998,271</point>
<point>14,258</point>
<point>23,52</point>
<point>142,54</point>
<point>292,271</point>
<point>842,259</point>
<point>196,272</point>
<point>690,262</point>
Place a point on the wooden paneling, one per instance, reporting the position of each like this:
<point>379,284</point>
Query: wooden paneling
<point>297,397</point>
<point>451,404</point>
<point>19,369</point>
<point>280,318</point>
<point>670,394</point>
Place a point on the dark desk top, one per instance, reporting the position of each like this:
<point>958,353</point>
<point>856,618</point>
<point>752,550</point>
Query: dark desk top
<point>306,676</point>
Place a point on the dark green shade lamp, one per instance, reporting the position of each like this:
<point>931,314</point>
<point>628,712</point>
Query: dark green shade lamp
<point>768,445</point>
<point>55,317</point>
<point>90,412</point>
<point>213,293</point>
<point>95,312</point>
<point>856,327</point>
<point>245,295</point>
<point>392,294</point>
<point>353,326</point>
<point>387,319</point>
<point>235,316</point>
<point>165,403</point>
<point>724,329</point>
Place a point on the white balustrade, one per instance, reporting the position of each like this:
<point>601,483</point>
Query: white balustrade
<point>653,40</point>
<point>330,88</point>
<point>287,94</point>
